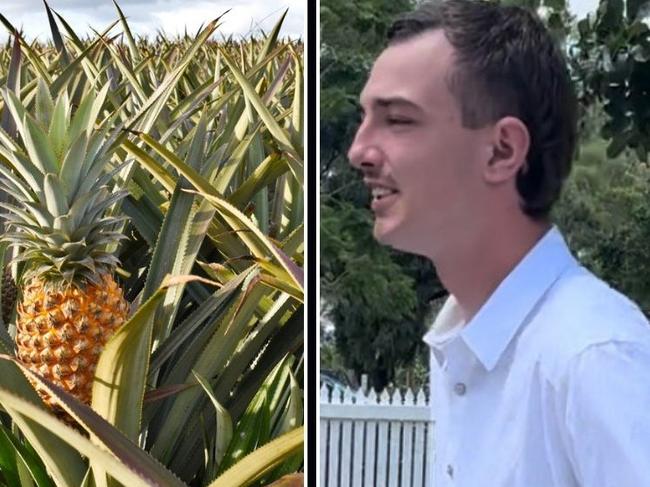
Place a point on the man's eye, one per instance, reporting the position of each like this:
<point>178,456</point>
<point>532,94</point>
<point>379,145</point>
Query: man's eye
<point>398,121</point>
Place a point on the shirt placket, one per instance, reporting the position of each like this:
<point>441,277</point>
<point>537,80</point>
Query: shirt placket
<point>457,372</point>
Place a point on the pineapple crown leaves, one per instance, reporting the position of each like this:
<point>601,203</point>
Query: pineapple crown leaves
<point>65,241</point>
<point>61,178</point>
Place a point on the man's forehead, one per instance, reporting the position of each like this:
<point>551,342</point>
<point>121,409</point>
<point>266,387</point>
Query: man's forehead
<point>428,48</point>
<point>408,70</point>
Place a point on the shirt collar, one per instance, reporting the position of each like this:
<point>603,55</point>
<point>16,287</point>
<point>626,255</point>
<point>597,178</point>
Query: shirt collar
<point>490,331</point>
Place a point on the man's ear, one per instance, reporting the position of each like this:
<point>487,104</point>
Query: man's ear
<point>509,142</point>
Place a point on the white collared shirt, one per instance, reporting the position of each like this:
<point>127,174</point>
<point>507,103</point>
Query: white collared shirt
<point>548,385</point>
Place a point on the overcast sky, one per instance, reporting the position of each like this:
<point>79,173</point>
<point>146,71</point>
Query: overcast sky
<point>146,16</point>
<point>582,7</point>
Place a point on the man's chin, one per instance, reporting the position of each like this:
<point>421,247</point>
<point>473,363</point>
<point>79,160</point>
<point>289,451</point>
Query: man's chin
<point>387,234</point>
<point>396,237</point>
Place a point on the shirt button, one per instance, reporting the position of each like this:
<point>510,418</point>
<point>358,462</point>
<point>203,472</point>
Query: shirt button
<point>460,389</point>
<point>450,471</point>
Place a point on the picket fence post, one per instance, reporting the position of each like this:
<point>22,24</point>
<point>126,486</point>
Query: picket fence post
<point>375,439</point>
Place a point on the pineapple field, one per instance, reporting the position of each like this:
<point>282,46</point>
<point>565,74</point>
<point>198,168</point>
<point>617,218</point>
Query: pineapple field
<point>152,249</point>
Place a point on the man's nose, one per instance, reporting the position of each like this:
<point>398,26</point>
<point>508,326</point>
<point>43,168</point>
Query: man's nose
<point>363,154</point>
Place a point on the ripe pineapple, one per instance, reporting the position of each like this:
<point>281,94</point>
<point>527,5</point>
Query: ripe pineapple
<point>70,304</point>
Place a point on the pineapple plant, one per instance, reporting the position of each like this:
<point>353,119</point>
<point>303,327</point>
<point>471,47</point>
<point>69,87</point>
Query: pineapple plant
<point>70,304</point>
<point>201,384</point>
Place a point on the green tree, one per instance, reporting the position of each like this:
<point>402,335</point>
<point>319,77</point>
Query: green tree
<point>352,34</point>
<point>605,214</point>
<point>609,54</point>
<point>605,208</point>
<point>373,303</point>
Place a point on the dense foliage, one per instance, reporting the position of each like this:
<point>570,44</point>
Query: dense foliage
<point>605,213</point>
<point>202,140</point>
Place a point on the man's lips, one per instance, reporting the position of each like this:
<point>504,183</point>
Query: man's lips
<point>382,198</point>
<point>383,194</point>
<point>379,192</point>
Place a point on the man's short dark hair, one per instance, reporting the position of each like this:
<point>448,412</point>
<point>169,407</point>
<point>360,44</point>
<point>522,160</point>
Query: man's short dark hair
<point>507,64</point>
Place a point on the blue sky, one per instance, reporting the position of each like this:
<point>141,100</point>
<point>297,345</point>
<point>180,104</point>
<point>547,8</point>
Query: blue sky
<point>145,16</point>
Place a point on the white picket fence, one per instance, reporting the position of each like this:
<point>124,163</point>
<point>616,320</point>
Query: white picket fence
<point>375,440</point>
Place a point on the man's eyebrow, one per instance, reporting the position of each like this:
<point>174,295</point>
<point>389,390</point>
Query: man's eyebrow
<point>396,101</point>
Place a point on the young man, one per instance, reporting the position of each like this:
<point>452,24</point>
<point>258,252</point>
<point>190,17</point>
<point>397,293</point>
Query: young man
<point>540,372</point>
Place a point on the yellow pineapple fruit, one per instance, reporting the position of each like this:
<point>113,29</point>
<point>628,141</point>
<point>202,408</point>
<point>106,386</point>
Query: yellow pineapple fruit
<point>60,334</point>
<point>70,304</point>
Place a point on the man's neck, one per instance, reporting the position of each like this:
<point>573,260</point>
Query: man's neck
<point>472,271</point>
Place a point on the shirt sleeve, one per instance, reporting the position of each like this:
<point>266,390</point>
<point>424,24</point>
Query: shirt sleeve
<point>608,415</point>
